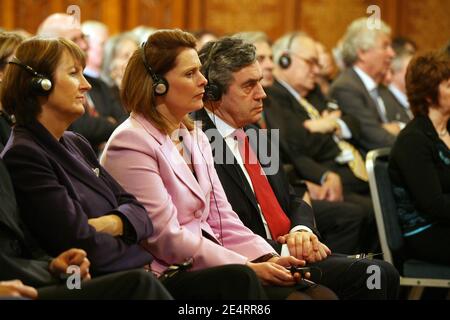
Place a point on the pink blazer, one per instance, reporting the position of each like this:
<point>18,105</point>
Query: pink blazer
<point>148,165</point>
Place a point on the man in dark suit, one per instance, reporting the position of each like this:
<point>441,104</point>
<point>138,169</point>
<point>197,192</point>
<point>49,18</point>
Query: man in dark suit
<point>339,222</point>
<point>234,103</point>
<point>21,259</point>
<point>103,112</point>
<point>368,55</point>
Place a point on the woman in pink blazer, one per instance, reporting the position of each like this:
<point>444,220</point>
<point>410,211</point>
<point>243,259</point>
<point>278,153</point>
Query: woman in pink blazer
<point>166,162</point>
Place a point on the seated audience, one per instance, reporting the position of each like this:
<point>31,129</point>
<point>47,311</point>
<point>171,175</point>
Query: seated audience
<point>9,41</point>
<point>260,194</point>
<point>65,196</point>
<point>339,222</point>
<point>316,141</point>
<point>420,161</point>
<point>166,162</point>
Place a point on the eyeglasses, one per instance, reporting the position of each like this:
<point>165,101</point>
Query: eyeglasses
<point>311,62</point>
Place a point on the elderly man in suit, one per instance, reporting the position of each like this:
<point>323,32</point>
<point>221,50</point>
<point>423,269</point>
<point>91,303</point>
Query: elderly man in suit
<point>367,53</point>
<point>265,202</point>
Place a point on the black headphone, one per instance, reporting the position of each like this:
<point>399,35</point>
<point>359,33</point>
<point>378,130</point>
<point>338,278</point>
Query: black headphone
<point>160,84</point>
<point>213,91</point>
<point>40,84</point>
<point>285,59</point>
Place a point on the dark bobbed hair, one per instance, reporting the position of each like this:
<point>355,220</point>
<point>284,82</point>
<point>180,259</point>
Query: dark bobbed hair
<point>43,55</point>
<point>423,76</point>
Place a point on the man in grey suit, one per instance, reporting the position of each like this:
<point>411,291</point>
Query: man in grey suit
<point>367,52</point>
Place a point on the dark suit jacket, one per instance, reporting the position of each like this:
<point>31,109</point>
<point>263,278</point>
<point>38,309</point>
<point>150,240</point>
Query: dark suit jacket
<point>58,190</point>
<point>420,166</point>
<point>19,259</point>
<point>98,129</point>
<point>311,154</point>
<point>394,109</point>
<point>351,94</point>
<point>241,196</point>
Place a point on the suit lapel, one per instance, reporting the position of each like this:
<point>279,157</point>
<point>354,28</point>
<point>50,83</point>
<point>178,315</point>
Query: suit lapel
<point>174,158</point>
<point>293,103</point>
<point>69,161</point>
<point>357,80</point>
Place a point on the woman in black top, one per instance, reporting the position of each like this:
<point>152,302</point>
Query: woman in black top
<point>420,161</point>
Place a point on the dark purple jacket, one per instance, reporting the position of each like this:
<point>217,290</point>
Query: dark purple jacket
<point>60,185</point>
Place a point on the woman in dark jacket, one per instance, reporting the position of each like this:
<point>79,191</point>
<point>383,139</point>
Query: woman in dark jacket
<point>420,161</point>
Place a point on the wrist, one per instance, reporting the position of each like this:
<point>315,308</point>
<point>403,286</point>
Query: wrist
<point>266,257</point>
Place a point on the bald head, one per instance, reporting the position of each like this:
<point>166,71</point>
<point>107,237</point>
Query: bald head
<point>65,26</point>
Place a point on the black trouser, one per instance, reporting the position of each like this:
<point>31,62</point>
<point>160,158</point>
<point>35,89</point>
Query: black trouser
<point>133,284</point>
<point>235,282</point>
<point>349,277</point>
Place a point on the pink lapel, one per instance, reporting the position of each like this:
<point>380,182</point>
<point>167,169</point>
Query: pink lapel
<point>174,158</point>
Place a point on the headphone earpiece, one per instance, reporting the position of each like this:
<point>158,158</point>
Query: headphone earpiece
<point>212,92</point>
<point>39,83</point>
<point>160,84</point>
<point>285,60</point>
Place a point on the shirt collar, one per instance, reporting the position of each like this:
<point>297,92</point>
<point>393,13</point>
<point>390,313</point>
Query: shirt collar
<point>290,89</point>
<point>224,128</point>
<point>401,97</point>
<point>366,79</point>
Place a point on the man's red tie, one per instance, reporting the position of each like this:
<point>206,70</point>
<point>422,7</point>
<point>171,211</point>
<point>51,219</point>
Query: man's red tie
<point>276,219</point>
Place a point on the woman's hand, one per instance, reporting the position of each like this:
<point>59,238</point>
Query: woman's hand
<point>15,288</point>
<point>77,257</point>
<point>111,224</point>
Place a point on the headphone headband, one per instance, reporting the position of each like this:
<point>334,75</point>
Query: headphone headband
<point>39,83</point>
<point>160,84</point>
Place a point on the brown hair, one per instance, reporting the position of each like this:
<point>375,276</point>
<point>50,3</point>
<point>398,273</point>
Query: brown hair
<point>424,74</point>
<point>161,51</point>
<point>43,55</point>
<point>9,41</point>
